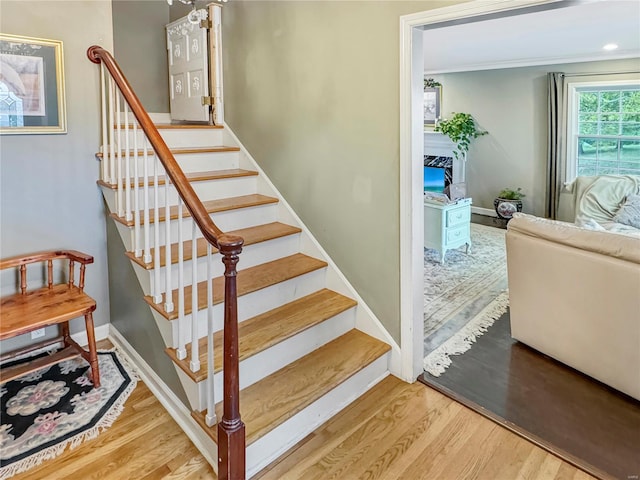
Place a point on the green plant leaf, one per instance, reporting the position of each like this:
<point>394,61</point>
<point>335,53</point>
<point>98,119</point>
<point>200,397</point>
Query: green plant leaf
<point>461,129</point>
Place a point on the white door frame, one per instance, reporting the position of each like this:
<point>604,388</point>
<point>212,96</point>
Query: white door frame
<point>411,155</point>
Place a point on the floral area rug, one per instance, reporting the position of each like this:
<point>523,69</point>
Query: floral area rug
<point>463,296</point>
<point>45,411</point>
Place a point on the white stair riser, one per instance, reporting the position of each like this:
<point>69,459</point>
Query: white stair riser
<point>227,221</point>
<point>255,303</point>
<point>204,162</point>
<point>178,138</point>
<point>251,255</point>
<point>263,364</point>
<point>189,162</point>
<point>269,447</point>
<point>173,137</point>
<point>206,190</point>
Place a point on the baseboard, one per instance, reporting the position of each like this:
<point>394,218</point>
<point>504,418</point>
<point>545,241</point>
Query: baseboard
<point>484,211</point>
<point>178,411</point>
<point>100,333</point>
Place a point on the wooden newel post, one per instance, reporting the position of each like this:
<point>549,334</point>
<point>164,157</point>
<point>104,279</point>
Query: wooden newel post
<point>231,436</point>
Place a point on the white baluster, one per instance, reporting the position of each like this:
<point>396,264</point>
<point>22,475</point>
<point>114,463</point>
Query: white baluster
<point>119,199</point>
<point>103,103</point>
<point>168,299</point>
<point>127,169</point>
<point>136,194</point>
<point>145,188</point>
<point>210,417</point>
<point>157,294</point>
<point>112,146</point>
<point>181,351</point>
<point>194,365</point>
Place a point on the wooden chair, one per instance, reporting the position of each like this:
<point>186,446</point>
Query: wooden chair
<point>53,304</point>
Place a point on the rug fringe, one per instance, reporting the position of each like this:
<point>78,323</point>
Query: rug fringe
<point>438,361</point>
<point>105,422</point>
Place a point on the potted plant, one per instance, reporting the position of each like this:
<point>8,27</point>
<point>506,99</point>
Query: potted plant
<point>509,201</point>
<point>461,129</point>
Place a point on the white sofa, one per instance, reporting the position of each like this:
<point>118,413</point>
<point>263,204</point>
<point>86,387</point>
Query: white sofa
<point>574,295</point>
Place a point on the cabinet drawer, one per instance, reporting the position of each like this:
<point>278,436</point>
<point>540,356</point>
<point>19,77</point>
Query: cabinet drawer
<point>458,233</point>
<point>458,216</point>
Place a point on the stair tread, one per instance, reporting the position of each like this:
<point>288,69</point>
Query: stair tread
<point>249,280</point>
<point>278,397</point>
<point>212,206</point>
<point>267,329</point>
<point>251,236</point>
<point>170,126</point>
<point>191,176</point>
<point>187,126</point>
<point>178,151</point>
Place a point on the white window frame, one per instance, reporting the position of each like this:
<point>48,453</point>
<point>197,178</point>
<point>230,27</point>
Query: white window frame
<point>573,88</point>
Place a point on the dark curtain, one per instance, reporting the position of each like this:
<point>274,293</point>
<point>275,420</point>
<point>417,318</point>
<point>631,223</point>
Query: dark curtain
<point>555,136</point>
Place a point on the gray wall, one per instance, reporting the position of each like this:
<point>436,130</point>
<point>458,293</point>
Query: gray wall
<point>140,47</point>
<point>312,90</point>
<point>132,317</point>
<point>511,104</point>
<point>48,193</point>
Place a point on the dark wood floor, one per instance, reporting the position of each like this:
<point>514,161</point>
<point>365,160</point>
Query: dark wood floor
<point>489,221</point>
<point>579,419</point>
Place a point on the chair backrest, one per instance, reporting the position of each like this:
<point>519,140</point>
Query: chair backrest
<point>47,259</point>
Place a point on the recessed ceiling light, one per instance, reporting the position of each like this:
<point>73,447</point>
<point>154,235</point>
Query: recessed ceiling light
<point>610,46</point>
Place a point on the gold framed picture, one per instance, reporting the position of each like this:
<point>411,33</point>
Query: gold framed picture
<point>32,96</point>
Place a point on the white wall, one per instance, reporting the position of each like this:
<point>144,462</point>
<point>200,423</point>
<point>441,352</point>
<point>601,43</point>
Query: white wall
<point>48,193</point>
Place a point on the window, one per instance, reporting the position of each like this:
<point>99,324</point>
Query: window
<point>603,129</point>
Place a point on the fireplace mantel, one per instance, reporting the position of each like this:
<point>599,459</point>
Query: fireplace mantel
<point>438,144</point>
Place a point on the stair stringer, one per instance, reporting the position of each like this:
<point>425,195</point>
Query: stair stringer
<point>366,320</point>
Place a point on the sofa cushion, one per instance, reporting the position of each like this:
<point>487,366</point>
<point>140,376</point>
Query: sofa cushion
<point>629,213</point>
<point>606,243</point>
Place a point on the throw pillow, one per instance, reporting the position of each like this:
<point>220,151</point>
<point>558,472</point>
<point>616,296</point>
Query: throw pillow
<point>629,213</point>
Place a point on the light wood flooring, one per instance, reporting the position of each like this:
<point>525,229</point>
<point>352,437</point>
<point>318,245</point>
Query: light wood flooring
<point>396,431</point>
<point>144,443</point>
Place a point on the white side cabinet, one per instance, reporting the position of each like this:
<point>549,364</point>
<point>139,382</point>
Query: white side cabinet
<point>447,226</point>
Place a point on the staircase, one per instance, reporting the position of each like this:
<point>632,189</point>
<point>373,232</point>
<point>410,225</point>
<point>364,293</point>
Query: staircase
<point>302,351</point>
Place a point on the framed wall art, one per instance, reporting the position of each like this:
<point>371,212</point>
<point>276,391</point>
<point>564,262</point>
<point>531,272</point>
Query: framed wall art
<point>432,105</point>
<point>32,96</point>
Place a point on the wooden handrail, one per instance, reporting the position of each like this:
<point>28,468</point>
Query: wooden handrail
<point>231,431</point>
<point>197,210</point>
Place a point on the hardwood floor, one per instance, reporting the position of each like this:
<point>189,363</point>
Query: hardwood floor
<point>144,443</point>
<point>489,221</point>
<point>409,432</point>
<point>396,431</point>
<point>558,407</point>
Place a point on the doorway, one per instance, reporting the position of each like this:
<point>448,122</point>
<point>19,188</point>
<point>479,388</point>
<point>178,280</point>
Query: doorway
<point>411,155</point>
